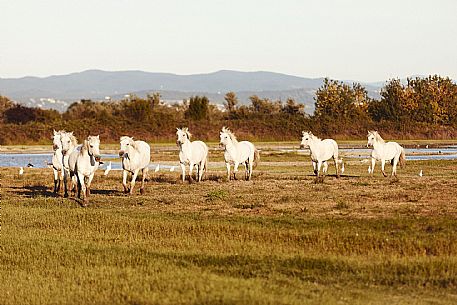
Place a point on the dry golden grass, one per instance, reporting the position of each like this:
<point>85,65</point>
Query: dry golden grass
<point>281,238</point>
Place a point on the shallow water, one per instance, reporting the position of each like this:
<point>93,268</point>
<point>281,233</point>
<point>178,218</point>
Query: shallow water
<point>43,160</point>
<point>445,153</point>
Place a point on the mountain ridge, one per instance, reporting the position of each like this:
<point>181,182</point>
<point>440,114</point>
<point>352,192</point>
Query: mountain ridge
<point>96,84</point>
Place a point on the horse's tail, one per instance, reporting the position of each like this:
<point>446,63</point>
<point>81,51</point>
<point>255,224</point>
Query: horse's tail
<point>206,165</point>
<point>256,158</point>
<point>402,159</point>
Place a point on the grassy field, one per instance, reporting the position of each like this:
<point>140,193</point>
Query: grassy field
<point>278,239</point>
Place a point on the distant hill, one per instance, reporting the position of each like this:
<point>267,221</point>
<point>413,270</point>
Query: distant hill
<point>60,90</point>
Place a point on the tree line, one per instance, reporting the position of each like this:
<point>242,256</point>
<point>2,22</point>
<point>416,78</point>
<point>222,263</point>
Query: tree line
<point>421,107</point>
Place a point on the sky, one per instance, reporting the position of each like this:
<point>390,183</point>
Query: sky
<point>363,40</point>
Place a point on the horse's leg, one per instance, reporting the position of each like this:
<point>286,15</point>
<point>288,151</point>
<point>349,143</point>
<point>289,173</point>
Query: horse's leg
<point>394,166</point>
<point>183,171</point>
<point>145,173</point>
<point>56,179</point>
<point>373,163</point>
<point>77,183</point>
<point>235,170</point>
<point>383,163</point>
<point>132,183</point>
<point>191,168</point>
<point>319,164</point>
<point>124,181</point>
<point>89,181</point>
<point>246,174</point>
<point>201,168</point>
<point>73,183</point>
<point>82,189</point>
<point>335,158</point>
<point>315,168</point>
<point>65,182</point>
<point>324,167</point>
<point>228,170</point>
<point>60,181</point>
<point>251,165</point>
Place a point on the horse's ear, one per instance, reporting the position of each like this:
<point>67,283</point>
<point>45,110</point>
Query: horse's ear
<point>98,137</point>
<point>55,132</point>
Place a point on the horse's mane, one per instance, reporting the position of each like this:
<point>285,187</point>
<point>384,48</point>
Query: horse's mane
<point>377,136</point>
<point>73,139</point>
<point>313,136</point>
<point>85,147</point>
<point>231,135</point>
<point>58,133</point>
<point>131,140</point>
<point>186,131</point>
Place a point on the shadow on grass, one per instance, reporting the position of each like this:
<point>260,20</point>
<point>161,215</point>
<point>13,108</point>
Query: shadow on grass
<point>31,191</point>
<point>106,192</point>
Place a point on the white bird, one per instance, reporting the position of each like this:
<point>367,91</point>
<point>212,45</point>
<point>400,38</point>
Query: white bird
<point>157,168</point>
<point>369,169</point>
<point>108,168</point>
<point>420,173</point>
<point>342,168</point>
<point>172,169</point>
<point>21,171</point>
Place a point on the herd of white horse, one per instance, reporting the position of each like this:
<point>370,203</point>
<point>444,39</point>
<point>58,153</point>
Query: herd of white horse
<point>80,162</point>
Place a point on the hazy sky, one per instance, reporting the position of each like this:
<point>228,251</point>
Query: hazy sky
<point>353,39</point>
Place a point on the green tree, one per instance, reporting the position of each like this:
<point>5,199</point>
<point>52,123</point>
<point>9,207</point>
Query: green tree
<point>154,99</point>
<point>230,101</point>
<point>264,106</point>
<point>337,100</point>
<point>292,107</point>
<point>198,108</point>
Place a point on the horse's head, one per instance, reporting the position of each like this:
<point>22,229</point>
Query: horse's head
<point>183,135</point>
<point>225,137</point>
<point>93,147</point>
<point>371,138</point>
<point>56,143</point>
<point>67,141</point>
<point>306,139</point>
<point>126,143</point>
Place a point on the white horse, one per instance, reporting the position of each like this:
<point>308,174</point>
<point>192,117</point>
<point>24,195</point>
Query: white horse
<point>391,152</point>
<point>57,160</point>
<point>237,153</point>
<point>135,157</point>
<point>69,144</point>
<point>192,153</point>
<point>321,151</point>
<point>83,163</point>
